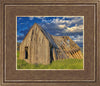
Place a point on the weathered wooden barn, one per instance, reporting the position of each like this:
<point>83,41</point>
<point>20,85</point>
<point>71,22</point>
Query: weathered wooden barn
<point>39,47</point>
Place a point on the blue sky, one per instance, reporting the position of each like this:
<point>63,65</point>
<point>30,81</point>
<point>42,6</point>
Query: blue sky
<point>57,26</point>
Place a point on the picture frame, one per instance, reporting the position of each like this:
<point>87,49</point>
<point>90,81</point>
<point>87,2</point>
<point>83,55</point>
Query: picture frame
<point>9,76</point>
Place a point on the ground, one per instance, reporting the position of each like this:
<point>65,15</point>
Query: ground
<point>59,64</point>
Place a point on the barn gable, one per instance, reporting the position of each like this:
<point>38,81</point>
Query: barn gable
<point>47,35</point>
<point>32,45</point>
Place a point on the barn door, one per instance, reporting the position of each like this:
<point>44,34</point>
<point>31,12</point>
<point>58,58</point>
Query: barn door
<point>51,55</point>
<point>26,52</point>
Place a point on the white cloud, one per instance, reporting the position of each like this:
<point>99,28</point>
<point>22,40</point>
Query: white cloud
<point>62,26</point>
<point>57,34</point>
<point>74,28</point>
<point>63,23</point>
<point>72,37</point>
<point>46,21</point>
<point>20,18</point>
<point>44,26</point>
<point>78,39</point>
<point>22,35</point>
<point>31,18</point>
<point>68,22</point>
<point>76,19</point>
<point>59,21</point>
<point>21,23</point>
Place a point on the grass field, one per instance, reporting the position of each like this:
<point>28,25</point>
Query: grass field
<point>59,64</point>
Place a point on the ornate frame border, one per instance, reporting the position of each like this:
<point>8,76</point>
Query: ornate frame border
<point>95,82</point>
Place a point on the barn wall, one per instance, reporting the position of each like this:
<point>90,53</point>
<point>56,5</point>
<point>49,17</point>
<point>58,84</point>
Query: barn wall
<point>26,42</point>
<point>38,47</point>
<point>40,50</point>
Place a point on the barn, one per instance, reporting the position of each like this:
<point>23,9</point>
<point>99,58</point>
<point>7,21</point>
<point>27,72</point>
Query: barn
<point>39,47</point>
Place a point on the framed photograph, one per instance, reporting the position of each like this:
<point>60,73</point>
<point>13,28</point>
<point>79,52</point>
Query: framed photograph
<point>49,43</point>
<point>52,42</point>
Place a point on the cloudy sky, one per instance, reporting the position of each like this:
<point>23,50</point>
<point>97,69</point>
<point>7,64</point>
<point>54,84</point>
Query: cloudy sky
<point>57,26</point>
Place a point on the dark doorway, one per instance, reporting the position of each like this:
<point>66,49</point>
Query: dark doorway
<point>26,52</point>
<point>51,55</point>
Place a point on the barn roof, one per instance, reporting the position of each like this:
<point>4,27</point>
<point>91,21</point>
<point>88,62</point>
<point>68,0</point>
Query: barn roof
<point>48,36</point>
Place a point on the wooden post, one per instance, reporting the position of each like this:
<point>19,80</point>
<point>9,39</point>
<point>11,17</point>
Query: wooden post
<point>77,55</point>
<point>54,54</point>
<point>80,54</point>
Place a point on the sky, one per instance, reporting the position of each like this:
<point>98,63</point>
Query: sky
<point>57,26</point>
